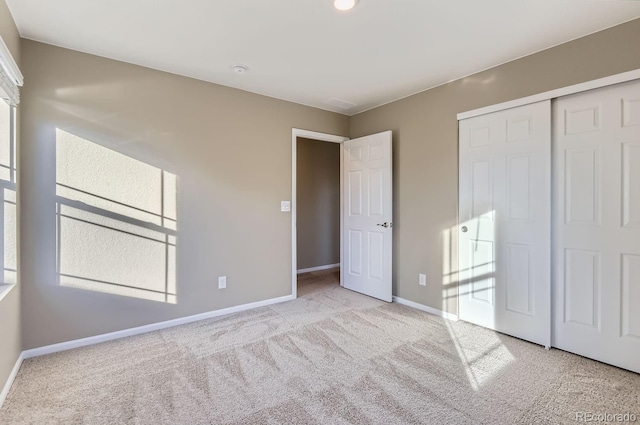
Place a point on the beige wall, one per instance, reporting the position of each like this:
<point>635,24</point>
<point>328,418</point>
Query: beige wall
<point>231,152</point>
<point>9,32</point>
<point>230,149</point>
<point>425,147</point>
<point>10,336</point>
<point>318,203</point>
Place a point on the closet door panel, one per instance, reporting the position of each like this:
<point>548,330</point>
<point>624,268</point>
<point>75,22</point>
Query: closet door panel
<point>504,234</point>
<point>597,224</point>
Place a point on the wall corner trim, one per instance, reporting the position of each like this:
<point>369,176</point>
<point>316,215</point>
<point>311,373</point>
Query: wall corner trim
<point>83,342</point>
<point>426,308</point>
<point>10,379</point>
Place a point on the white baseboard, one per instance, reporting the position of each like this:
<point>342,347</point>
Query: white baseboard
<point>68,345</point>
<point>426,308</point>
<point>10,379</point>
<point>83,342</point>
<point>315,269</point>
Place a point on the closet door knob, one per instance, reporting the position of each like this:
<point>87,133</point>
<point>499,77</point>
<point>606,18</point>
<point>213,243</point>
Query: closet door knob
<point>464,229</point>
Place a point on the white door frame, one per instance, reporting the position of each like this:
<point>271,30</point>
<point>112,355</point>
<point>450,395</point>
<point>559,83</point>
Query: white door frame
<point>323,137</point>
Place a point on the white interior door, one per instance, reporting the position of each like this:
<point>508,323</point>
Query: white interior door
<point>367,215</point>
<point>505,221</point>
<point>597,224</point>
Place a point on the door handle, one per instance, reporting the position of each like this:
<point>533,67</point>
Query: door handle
<point>464,229</point>
<point>385,224</point>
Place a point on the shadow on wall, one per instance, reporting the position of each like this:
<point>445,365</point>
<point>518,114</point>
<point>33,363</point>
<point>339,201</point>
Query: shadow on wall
<point>116,224</point>
<point>8,173</point>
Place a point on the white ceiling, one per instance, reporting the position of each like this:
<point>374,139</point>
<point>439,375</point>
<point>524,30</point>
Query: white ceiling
<point>306,51</point>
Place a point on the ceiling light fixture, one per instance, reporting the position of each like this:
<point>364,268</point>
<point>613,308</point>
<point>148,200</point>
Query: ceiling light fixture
<point>240,69</point>
<point>345,4</point>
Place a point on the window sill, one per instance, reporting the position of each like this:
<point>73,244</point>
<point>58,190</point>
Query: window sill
<point>5,289</point>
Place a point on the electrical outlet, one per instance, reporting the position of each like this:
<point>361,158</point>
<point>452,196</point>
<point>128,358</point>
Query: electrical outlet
<point>422,279</point>
<point>222,282</point>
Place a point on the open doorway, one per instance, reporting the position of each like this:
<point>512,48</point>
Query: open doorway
<point>366,210</point>
<point>316,211</point>
<point>318,215</point>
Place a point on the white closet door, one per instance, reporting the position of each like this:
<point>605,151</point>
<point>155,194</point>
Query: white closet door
<point>597,224</point>
<point>505,219</point>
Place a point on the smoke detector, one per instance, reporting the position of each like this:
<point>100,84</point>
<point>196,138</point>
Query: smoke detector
<point>239,69</point>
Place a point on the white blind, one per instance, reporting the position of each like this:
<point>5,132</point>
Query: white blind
<point>10,76</point>
<point>8,89</point>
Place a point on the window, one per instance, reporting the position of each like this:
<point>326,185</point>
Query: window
<point>10,81</point>
<point>8,214</point>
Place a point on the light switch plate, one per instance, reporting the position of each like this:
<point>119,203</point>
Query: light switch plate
<point>285,206</point>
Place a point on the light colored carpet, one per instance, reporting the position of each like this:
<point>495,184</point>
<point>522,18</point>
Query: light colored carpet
<point>330,357</point>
